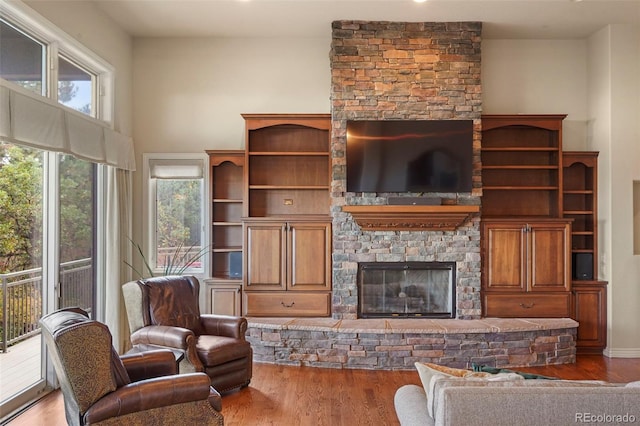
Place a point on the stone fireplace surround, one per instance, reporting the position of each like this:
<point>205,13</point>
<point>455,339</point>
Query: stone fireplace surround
<point>395,71</point>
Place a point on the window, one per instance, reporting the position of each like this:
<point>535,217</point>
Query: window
<point>50,229</point>
<point>76,87</point>
<point>176,236</point>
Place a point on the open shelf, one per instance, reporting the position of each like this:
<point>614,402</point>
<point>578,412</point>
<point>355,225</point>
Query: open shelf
<point>227,186</point>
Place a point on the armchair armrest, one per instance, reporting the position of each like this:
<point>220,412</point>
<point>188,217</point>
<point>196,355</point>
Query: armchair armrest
<point>149,394</point>
<point>146,365</point>
<point>223,325</point>
<point>162,335</point>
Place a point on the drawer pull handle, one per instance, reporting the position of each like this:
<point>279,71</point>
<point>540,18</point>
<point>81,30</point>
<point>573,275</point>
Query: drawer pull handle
<point>289,305</point>
<point>527,305</point>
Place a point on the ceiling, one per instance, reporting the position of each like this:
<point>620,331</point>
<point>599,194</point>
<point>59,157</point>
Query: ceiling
<point>503,19</point>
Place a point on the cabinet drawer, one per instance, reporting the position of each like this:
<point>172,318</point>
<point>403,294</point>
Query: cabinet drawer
<point>286,304</point>
<point>515,305</point>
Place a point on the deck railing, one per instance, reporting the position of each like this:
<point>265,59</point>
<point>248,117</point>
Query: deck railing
<point>21,298</point>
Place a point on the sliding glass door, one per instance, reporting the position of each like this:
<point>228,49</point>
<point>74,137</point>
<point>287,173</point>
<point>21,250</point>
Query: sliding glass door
<point>48,239</point>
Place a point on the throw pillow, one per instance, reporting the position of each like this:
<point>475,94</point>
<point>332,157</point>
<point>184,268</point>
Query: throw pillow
<point>632,385</point>
<point>427,371</point>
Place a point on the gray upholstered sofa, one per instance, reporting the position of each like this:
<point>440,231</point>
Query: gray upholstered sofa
<point>474,402</point>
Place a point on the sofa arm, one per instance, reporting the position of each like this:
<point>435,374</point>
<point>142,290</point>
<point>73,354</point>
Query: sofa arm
<point>146,365</point>
<point>410,402</point>
<point>223,325</point>
<point>149,394</point>
<point>161,335</point>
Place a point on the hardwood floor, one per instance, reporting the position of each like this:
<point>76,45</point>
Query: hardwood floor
<point>285,395</point>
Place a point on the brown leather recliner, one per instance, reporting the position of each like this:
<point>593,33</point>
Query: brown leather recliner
<point>164,312</point>
<point>99,387</point>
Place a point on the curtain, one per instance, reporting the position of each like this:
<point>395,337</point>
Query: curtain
<point>32,120</point>
<point>119,225</point>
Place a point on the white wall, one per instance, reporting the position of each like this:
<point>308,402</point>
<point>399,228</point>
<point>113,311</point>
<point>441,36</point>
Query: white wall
<point>189,93</point>
<point>614,108</point>
<point>91,27</point>
<point>538,77</point>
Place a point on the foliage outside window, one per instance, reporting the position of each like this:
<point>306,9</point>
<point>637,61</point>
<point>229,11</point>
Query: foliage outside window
<point>21,178</point>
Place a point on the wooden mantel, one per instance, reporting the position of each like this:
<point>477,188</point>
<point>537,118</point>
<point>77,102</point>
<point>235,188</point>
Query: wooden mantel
<point>410,217</point>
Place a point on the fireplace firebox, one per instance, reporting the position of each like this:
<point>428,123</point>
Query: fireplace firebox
<point>406,289</point>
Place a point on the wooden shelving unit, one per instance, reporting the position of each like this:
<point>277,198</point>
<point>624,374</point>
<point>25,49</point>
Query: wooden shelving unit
<point>288,164</point>
<point>526,258</point>
<point>589,306</point>
<point>227,205</point>
<point>521,165</point>
<point>286,224</point>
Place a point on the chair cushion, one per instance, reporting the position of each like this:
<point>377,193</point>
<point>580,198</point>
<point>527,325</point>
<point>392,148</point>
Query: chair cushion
<point>173,301</point>
<point>216,350</point>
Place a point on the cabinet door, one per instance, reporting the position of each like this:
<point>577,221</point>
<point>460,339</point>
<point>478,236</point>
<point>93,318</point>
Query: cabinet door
<point>265,265</point>
<point>504,257</point>
<point>309,246</point>
<point>590,310</point>
<point>549,257</point>
<point>224,300</point>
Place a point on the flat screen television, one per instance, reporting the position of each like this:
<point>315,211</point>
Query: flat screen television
<point>409,155</point>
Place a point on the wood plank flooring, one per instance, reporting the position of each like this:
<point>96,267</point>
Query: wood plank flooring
<point>285,395</point>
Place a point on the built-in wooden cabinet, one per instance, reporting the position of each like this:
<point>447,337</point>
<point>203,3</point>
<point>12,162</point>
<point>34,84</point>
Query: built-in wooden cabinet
<point>521,165</point>
<point>287,227</point>
<point>539,226</point>
<point>226,173</point>
<point>288,270</point>
<point>526,257</point>
<point>526,268</point>
<point>580,203</point>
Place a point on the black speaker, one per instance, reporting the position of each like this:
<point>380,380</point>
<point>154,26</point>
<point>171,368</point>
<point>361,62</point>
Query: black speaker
<point>583,266</point>
<point>235,264</point>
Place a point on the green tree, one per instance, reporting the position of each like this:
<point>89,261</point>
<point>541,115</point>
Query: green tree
<point>21,206</point>
<point>178,219</point>
<point>76,213</point>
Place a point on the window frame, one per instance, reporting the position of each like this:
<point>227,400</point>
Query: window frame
<point>149,191</point>
<point>59,43</point>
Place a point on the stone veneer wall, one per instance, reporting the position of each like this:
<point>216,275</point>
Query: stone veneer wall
<point>395,70</point>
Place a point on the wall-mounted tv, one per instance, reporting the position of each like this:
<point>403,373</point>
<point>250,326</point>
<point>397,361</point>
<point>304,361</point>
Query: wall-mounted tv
<point>409,155</point>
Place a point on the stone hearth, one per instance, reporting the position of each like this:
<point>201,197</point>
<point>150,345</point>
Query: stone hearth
<point>396,344</point>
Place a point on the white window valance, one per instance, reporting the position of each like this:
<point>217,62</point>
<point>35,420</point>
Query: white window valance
<point>176,168</point>
<point>39,122</point>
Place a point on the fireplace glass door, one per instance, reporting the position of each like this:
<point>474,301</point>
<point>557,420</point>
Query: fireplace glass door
<point>406,289</point>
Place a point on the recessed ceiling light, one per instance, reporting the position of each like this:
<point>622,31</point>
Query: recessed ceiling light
<point>419,1</point>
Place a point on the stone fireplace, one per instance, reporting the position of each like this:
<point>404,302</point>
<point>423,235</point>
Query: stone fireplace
<point>404,71</point>
<point>406,289</point>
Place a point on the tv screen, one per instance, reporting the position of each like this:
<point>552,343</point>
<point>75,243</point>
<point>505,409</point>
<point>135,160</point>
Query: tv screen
<point>409,156</point>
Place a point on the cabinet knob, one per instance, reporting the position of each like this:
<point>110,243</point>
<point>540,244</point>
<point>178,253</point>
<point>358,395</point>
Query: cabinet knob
<point>288,305</point>
<point>527,305</point>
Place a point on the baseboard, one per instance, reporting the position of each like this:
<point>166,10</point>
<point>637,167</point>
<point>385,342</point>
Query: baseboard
<point>622,353</point>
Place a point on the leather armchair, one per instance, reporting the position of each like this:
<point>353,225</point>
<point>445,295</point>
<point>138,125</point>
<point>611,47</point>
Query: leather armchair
<point>99,387</point>
<point>163,312</point>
